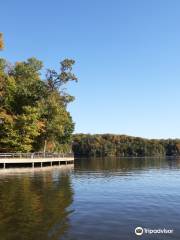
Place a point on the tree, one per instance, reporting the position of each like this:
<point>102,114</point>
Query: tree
<point>58,122</point>
<point>34,110</point>
<point>1,41</point>
<point>123,146</point>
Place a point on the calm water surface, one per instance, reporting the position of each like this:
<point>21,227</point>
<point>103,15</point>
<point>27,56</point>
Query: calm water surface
<point>97,199</point>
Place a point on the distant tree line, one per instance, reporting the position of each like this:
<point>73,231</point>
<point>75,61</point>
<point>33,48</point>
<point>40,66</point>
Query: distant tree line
<point>101,145</point>
<point>33,109</point>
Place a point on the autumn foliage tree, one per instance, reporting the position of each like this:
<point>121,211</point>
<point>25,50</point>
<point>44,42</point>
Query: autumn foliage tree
<point>1,41</point>
<point>33,111</point>
<point>101,145</point>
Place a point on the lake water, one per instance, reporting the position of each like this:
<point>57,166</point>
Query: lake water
<point>98,199</point>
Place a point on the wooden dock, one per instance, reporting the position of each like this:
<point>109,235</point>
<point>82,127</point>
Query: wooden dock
<point>11,160</point>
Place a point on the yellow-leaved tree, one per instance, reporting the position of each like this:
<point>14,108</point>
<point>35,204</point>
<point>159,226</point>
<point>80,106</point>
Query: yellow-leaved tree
<point>1,41</point>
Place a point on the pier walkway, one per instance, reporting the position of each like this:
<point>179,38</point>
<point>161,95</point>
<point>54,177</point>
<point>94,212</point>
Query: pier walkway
<point>10,160</point>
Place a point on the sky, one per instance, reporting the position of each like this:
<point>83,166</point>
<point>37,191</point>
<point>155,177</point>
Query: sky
<point>127,55</point>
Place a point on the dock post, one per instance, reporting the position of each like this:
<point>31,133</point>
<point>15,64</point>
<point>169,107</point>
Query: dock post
<point>41,164</point>
<point>59,163</point>
<point>33,164</point>
<point>4,165</point>
<point>51,164</point>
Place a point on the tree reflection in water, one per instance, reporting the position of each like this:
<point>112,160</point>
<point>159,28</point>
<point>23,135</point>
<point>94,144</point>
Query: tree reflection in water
<point>35,207</point>
<point>127,164</point>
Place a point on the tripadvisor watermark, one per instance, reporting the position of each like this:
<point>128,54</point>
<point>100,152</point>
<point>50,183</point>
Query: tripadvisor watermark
<point>140,231</point>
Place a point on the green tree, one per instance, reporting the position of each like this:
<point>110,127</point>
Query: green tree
<point>123,146</point>
<point>1,41</point>
<point>33,111</point>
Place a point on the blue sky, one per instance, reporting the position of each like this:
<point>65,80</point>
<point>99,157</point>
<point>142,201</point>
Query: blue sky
<point>127,56</point>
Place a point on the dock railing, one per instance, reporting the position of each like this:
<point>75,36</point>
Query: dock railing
<point>36,155</point>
